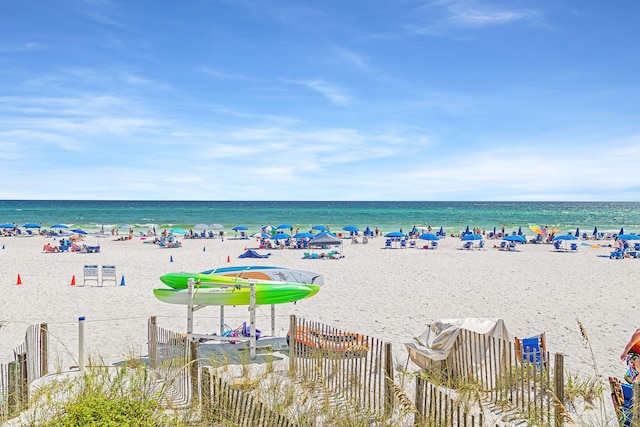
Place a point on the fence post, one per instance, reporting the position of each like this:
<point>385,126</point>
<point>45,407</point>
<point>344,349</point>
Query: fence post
<point>153,342</point>
<point>205,385</point>
<point>559,389</point>
<point>419,401</point>
<point>24,381</point>
<point>81,320</point>
<point>635,408</point>
<point>388,370</point>
<point>44,351</point>
<point>292,343</point>
<point>193,368</point>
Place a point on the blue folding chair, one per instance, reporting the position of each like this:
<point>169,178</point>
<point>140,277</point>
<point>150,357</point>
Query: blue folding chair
<point>622,396</point>
<point>532,350</point>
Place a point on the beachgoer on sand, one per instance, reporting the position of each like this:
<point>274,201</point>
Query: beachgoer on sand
<point>631,355</point>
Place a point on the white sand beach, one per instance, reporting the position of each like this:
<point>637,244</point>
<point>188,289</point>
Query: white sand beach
<point>389,294</point>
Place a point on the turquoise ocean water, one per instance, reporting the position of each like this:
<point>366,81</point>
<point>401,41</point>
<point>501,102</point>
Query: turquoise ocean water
<point>388,216</point>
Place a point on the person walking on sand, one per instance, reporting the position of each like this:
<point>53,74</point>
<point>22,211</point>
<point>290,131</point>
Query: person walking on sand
<point>631,356</point>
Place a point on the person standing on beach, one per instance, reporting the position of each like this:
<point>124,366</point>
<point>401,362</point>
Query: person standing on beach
<point>631,356</point>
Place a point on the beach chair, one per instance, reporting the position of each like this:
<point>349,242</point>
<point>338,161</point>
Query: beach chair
<point>557,245</point>
<point>574,247</point>
<point>532,350</point>
<point>434,245</point>
<point>387,244</point>
<point>412,244</point>
<point>617,255</point>
<point>622,396</point>
<point>468,245</point>
<point>403,244</point>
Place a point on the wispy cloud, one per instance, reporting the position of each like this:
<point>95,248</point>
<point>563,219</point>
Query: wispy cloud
<point>443,16</point>
<point>330,91</point>
<point>101,11</point>
<point>354,58</point>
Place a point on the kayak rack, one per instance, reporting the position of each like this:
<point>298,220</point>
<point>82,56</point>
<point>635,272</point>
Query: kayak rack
<point>191,309</point>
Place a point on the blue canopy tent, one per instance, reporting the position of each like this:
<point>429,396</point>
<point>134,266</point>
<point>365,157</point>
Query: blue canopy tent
<point>250,253</point>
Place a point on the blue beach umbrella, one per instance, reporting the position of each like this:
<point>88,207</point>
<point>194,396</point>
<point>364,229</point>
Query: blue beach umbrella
<point>32,225</point>
<point>281,236</point>
<point>518,239</point>
<point>7,225</point>
<point>471,236</point>
<point>59,226</point>
<point>565,237</point>
<point>395,234</point>
<point>351,228</point>
<point>239,228</point>
<point>305,235</point>
<point>79,231</point>
<point>628,237</point>
<point>428,236</point>
<point>177,231</point>
<point>284,227</point>
<point>320,228</point>
<point>466,231</point>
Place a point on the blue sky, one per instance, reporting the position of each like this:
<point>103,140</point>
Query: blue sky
<point>319,100</point>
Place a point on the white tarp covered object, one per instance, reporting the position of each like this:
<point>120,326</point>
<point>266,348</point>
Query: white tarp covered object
<point>436,342</point>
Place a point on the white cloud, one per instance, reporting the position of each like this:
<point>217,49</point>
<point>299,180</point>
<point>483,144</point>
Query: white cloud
<point>331,92</point>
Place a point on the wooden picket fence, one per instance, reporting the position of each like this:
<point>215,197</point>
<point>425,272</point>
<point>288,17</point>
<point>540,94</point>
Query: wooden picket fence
<point>356,367</point>
<point>505,384</point>
<point>30,363</point>
<point>222,401</point>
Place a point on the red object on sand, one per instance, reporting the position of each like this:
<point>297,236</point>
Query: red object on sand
<point>19,281</point>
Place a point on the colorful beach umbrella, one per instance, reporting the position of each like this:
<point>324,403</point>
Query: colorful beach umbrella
<point>261,235</point>
<point>215,226</point>
<point>538,230</point>
<point>200,227</point>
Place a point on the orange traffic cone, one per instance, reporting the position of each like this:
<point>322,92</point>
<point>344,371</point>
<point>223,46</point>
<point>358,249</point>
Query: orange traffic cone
<point>73,280</point>
<point>19,281</point>
<point>228,260</point>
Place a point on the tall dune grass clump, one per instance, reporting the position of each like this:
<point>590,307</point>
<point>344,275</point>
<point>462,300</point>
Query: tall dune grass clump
<point>123,396</point>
